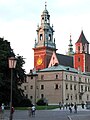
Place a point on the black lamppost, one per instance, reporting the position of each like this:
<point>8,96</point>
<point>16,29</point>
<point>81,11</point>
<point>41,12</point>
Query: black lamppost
<point>12,65</point>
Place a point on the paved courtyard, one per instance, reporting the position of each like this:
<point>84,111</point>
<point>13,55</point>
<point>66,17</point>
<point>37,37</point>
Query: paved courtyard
<point>56,114</point>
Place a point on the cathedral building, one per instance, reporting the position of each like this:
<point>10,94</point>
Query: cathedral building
<point>57,77</point>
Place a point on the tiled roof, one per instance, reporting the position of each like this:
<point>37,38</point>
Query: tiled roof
<point>82,39</point>
<point>65,60</point>
<point>59,68</point>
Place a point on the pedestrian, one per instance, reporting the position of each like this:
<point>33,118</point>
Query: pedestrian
<point>60,105</point>
<point>75,108</point>
<point>82,104</point>
<point>70,108</point>
<point>33,109</point>
<point>66,106</point>
<point>30,111</point>
<point>2,107</point>
<point>12,110</point>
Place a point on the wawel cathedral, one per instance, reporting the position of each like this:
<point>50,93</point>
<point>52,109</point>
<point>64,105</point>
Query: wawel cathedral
<point>57,77</point>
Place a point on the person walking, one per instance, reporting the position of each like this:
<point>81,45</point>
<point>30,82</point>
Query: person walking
<point>75,108</point>
<point>12,110</point>
<point>70,108</point>
<point>33,109</point>
<point>30,111</point>
<point>2,107</point>
<point>2,111</point>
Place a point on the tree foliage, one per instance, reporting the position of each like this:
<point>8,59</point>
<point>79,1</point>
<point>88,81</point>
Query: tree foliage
<point>5,74</point>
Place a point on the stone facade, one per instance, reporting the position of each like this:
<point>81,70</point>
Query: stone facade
<point>58,86</point>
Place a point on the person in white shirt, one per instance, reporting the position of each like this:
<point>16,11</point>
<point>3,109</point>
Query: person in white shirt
<point>2,107</point>
<point>33,110</point>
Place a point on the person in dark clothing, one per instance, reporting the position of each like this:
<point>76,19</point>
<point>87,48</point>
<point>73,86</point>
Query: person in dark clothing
<point>75,108</point>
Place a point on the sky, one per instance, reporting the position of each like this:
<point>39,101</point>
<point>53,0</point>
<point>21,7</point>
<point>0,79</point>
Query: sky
<point>19,20</point>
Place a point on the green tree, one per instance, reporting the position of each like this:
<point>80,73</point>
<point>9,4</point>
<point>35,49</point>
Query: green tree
<point>5,74</point>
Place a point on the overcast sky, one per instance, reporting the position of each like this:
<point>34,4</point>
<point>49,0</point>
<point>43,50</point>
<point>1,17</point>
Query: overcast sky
<point>19,20</point>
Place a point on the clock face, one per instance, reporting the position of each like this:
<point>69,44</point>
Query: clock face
<point>39,61</point>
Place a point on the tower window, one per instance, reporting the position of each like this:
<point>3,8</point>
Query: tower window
<point>79,59</point>
<point>50,37</point>
<point>42,18</point>
<point>78,48</point>
<point>45,19</point>
<point>83,48</point>
<point>41,36</point>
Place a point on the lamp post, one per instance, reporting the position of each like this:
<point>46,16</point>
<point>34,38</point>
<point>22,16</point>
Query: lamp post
<point>12,65</point>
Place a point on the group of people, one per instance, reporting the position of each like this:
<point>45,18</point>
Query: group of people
<point>70,106</point>
<point>75,107</point>
<point>32,111</point>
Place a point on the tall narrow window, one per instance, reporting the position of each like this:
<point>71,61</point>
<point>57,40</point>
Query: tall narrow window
<point>56,86</point>
<point>56,76</point>
<point>41,36</point>
<point>50,37</point>
<point>74,87</point>
<point>78,48</point>
<point>66,86</point>
<point>78,59</point>
<point>66,77</point>
<point>71,87</point>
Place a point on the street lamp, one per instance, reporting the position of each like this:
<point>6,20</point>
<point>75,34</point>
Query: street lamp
<point>12,65</point>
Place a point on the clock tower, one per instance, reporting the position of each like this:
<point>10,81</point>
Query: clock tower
<point>45,44</point>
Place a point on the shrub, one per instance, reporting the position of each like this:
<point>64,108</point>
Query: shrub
<point>25,103</point>
<point>41,102</point>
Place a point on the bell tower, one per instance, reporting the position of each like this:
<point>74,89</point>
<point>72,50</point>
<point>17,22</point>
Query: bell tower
<point>82,56</point>
<point>45,44</point>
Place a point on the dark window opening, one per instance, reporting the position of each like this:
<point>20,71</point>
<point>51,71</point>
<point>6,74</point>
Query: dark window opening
<point>42,96</point>
<point>56,86</point>
<point>78,48</point>
<point>41,36</point>
<point>42,87</point>
<point>56,76</point>
<point>79,59</point>
<point>50,37</point>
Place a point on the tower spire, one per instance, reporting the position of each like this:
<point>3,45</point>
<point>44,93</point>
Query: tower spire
<point>45,5</point>
<point>70,49</point>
